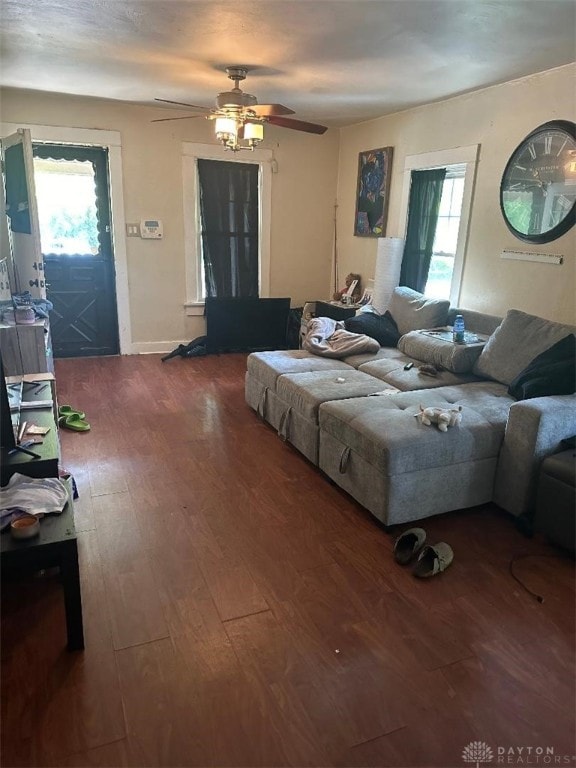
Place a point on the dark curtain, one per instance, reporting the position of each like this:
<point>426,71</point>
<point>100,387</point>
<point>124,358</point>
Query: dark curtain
<point>423,207</point>
<point>229,221</point>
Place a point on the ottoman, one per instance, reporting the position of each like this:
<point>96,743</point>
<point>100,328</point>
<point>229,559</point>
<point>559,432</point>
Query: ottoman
<point>263,370</point>
<point>556,499</point>
<point>301,394</point>
<point>400,470</point>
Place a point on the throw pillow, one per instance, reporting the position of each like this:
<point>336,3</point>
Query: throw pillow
<point>457,358</point>
<point>515,343</point>
<point>412,310</point>
<point>379,327</point>
<point>551,373</point>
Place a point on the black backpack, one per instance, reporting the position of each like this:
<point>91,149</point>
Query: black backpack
<point>195,348</point>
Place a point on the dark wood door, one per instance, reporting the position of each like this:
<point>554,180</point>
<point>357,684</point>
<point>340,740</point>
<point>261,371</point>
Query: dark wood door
<point>74,213</point>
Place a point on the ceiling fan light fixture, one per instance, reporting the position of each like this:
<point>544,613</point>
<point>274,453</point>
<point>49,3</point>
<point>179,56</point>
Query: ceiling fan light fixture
<point>226,129</point>
<point>232,129</point>
<point>253,133</point>
<point>239,118</point>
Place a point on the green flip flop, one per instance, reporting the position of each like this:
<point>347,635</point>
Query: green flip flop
<point>67,410</point>
<point>74,422</point>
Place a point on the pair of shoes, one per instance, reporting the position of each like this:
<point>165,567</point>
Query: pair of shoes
<point>69,418</point>
<point>67,410</point>
<point>432,559</point>
<point>74,422</point>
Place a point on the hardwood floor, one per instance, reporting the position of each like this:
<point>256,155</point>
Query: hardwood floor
<point>242,611</point>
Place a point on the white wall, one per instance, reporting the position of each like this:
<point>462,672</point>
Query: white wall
<point>497,118</point>
<point>303,196</point>
<point>312,170</point>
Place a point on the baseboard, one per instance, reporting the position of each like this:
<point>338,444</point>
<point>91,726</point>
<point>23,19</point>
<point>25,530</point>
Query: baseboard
<point>153,347</point>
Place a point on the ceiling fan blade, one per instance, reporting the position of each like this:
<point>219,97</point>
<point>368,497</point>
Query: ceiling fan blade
<point>267,110</point>
<point>166,119</point>
<point>183,104</point>
<point>297,125</point>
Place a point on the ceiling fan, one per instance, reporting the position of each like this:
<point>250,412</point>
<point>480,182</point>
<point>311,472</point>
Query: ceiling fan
<point>239,117</point>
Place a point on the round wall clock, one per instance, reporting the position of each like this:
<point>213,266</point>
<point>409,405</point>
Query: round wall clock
<point>538,189</point>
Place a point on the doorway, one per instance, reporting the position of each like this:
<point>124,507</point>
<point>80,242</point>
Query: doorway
<point>73,201</point>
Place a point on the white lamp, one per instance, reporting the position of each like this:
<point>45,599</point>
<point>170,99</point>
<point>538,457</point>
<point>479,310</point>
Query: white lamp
<point>253,132</point>
<point>226,130</point>
<point>387,273</point>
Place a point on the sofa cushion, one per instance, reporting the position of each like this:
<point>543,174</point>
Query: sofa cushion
<point>513,345</point>
<point>457,358</point>
<point>385,432</point>
<point>384,353</point>
<point>379,327</point>
<point>412,310</point>
<point>551,373</point>
<point>477,322</point>
<point>394,373</point>
<point>267,366</point>
<point>304,392</point>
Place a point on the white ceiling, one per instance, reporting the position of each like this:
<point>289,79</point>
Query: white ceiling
<point>333,61</point>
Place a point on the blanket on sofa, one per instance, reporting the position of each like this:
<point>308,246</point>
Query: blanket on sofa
<point>328,338</point>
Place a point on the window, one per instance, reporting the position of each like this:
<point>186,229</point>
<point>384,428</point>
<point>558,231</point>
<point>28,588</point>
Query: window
<point>439,281</point>
<point>192,152</point>
<point>229,208</point>
<point>66,195</point>
<point>460,163</point>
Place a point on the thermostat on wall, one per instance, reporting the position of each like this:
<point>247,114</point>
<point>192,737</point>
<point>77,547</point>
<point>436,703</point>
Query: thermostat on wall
<point>151,229</point>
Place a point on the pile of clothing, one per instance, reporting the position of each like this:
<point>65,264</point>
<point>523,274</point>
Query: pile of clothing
<point>31,496</point>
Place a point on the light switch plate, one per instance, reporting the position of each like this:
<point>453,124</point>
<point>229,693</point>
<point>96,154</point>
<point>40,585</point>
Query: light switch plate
<point>132,230</point>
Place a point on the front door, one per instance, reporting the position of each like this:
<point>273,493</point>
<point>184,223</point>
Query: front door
<point>74,214</point>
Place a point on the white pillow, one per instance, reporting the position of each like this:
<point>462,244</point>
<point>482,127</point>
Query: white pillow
<point>412,311</point>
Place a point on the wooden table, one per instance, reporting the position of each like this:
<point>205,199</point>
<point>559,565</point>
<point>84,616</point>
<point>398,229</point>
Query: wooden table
<point>55,546</point>
<point>48,451</point>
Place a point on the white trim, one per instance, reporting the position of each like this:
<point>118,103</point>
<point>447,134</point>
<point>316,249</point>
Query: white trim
<point>456,156</point>
<point>194,308</point>
<point>119,249</point>
<point>112,140</point>
<point>65,135</point>
<point>191,152</point>
<point>543,258</point>
<point>155,347</point>
<point>442,157</point>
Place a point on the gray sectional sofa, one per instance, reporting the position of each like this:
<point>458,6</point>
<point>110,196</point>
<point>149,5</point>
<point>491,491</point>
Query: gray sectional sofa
<point>356,418</point>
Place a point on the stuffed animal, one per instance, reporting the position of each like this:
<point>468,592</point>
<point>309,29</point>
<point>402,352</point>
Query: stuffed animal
<point>356,292</point>
<point>443,417</point>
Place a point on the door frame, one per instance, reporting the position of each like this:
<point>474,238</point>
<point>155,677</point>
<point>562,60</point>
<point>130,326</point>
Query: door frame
<point>112,140</point>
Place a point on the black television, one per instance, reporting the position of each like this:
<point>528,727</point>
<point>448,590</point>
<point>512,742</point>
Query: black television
<point>7,436</point>
<point>246,324</point>
<point>9,420</point>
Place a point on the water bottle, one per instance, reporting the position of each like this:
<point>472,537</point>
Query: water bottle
<point>458,330</point>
